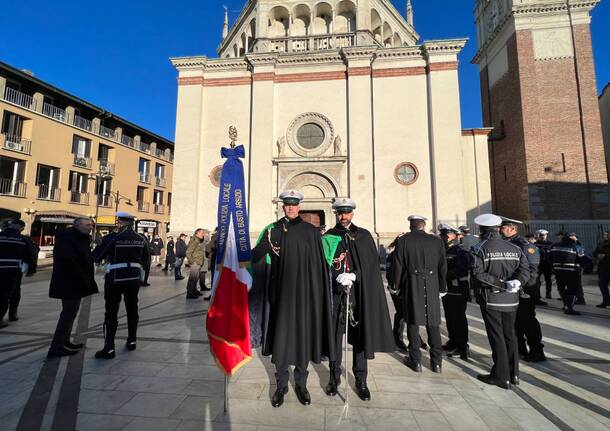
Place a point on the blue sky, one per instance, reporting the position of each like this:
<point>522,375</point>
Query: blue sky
<point>115,53</point>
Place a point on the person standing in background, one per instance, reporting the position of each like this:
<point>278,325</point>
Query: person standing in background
<point>180,256</point>
<point>170,254</point>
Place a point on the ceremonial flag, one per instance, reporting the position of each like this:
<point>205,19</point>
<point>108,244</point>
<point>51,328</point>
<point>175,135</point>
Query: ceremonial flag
<point>228,322</point>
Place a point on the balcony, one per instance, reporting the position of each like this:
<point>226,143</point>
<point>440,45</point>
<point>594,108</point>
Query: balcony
<point>79,198</point>
<point>145,148</point>
<point>17,144</point>
<point>159,208</point>
<point>48,193</point>
<point>83,123</point>
<point>19,98</point>
<point>54,112</point>
<point>127,140</point>
<point>144,177</point>
<point>106,167</point>
<point>312,43</point>
<point>160,153</point>
<point>105,201</point>
<point>143,206</point>
<point>160,182</point>
<point>107,133</point>
<point>9,187</point>
<point>82,162</point>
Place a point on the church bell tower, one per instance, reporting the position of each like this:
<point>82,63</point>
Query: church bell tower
<point>539,94</point>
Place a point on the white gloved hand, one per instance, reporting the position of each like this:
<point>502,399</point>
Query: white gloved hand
<point>346,279</point>
<point>442,294</point>
<point>512,286</point>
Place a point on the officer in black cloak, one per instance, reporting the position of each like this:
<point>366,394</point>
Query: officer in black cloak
<point>420,268</point>
<point>291,298</point>
<point>354,261</point>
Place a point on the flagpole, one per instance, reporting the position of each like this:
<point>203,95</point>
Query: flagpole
<point>347,294</point>
<point>226,393</point>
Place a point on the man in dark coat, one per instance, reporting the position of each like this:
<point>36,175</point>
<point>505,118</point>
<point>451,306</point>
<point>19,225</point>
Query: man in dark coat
<point>545,270</point>
<point>15,259</point>
<point>455,302</point>
<point>72,280</point>
<point>499,269</point>
<point>420,268</point>
<point>297,325</point>
<point>567,256</point>
<point>180,256</point>
<point>170,254</point>
<point>602,254</point>
<point>355,263</point>
<point>126,254</point>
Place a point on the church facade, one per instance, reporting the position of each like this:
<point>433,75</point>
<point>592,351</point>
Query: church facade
<point>335,99</point>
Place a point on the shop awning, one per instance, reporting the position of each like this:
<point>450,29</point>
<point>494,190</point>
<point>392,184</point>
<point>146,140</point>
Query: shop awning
<point>57,217</point>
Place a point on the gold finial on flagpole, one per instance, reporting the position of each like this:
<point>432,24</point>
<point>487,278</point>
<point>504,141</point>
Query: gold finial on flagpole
<point>232,135</point>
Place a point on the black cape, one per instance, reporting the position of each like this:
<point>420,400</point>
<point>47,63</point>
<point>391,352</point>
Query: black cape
<point>373,332</point>
<point>290,300</point>
<point>420,270</point>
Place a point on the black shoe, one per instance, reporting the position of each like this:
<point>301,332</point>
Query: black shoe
<point>3,324</point>
<point>362,390</point>
<point>192,296</point>
<point>131,345</point>
<point>105,354</point>
<point>448,346</point>
<point>423,345</point>
<point>13,317</point>
<point>199,293</point>
<point>489,380</point>
<point>436,368</point>
<point>303,395</point>
<point>571,312</point>
<point>278,397</point>
<point>580,301</point>
<point>462,352</point>
<point>415,366</point>
<point>548,296</point>
<point>541,302</point>
<point>536,357</point>
<point>60,353</point>
<point>331,388</point>
<point>145,284</point>
<point>73,346</point>
<point>514,380</point>
<point>179,278</point>
<point>465,353</point>
<point>602,305</point>
<point>207,298</point>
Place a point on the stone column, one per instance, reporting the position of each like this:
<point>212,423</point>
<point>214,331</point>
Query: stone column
<point>70,112</point>
<point>37,102</point>
<point>118,134</point>
<point>2,86</point>
<point>153,148</point>
<point>95,126</point>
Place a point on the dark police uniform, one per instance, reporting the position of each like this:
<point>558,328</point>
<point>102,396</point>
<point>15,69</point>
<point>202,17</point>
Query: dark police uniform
<point>566,257</point>
<point>545,270</point>
<point>456,300</point>
<point>495,262</point>
<point>527,325</point>
<point>126,254</point>
<point>15,254</point>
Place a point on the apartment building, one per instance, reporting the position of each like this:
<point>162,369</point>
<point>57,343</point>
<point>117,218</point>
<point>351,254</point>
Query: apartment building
<point>62,157</point>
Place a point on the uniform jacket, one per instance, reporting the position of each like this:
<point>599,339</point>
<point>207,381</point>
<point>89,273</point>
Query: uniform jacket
<point>180,249</point>
<point>469,241</point>
<point>458,268</point>
<point>545,259</point>
<point>531,253</point>
<point>15,250</point>
<point>124,247</point>
<point>567,256</point>
<point>170,257</point>
<point>420,270</point>
<point>496,261</point>
<point>602,254</point>
<point>73,272</point>
<point>195,252</point>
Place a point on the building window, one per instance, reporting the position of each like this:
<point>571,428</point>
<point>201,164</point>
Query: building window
<point>12,124</point>
<point>406,173</point>
<point>47,180</point>
<point>78,182</point>
<point>310,136</point>
<point>12,172</point>
<point>81,149</point>
<point>144,170</point>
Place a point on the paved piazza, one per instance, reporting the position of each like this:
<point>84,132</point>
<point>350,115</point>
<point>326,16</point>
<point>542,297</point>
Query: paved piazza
<point>171,382</point>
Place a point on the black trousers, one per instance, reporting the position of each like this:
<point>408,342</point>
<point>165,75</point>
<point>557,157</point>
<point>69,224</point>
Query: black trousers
<point>8,283</point>
<point>15,299</point>
<point>545,272</point>
<point>398,325</point>
<point>603,279</point>
<point>359,363</point>
<point>455,315</point>
<point>113,293</point>
<point>434,341</point>
<point>567,284</point>
<point>500,328</point>
<point>282,375</point>
<point>69,310</point>
<point>527,326</point>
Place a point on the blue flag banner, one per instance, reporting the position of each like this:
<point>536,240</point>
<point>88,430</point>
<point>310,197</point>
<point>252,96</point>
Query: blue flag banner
<point>232,205</point>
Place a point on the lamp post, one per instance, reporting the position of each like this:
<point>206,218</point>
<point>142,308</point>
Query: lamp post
<point>103,174</point>
<point>118,198</point>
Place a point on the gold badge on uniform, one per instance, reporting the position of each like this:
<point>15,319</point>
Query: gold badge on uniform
<point>531,250</point>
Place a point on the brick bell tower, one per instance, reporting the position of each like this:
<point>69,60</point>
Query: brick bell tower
<point>539,93</point>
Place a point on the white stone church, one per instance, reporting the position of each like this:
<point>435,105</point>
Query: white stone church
<point>333,98</point>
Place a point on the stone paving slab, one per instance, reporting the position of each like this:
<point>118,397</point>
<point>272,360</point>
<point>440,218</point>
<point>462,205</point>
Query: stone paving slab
<point>172,383</point>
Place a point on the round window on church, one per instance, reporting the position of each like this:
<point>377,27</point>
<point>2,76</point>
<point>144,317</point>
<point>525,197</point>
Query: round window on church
<point>310,136</point>
<point>215,175</point>
<point>406,173</point>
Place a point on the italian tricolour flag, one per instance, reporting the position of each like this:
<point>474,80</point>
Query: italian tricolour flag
<point>228,321</point>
